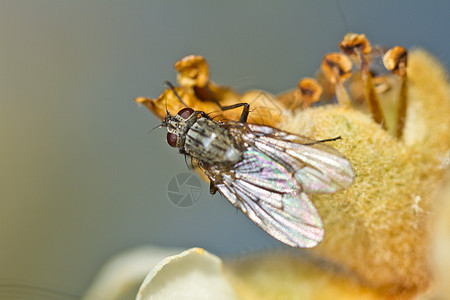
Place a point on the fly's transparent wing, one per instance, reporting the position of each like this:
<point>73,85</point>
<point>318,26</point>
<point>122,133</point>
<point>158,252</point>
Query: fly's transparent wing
<point>317,167</point>
<point>271,181</point>
<point>270,196</point>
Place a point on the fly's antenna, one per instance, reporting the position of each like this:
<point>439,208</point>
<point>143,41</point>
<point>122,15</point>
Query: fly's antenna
<point>170,85</point>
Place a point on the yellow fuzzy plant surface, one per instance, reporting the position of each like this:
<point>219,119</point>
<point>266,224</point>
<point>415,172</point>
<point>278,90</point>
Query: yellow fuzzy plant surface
<point>281,276</point>
<point>378,232</point>
<point>378,229</point>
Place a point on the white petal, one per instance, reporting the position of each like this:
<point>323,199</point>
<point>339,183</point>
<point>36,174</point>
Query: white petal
<point>192,274</point>
<point>123,273</point>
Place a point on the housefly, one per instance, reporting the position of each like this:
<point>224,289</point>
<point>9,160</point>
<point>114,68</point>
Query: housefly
<point>263,171</point>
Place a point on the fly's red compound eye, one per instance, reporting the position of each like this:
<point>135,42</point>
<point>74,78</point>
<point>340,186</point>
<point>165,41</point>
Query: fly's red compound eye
<point>185,112</point>
<point>172,139</point>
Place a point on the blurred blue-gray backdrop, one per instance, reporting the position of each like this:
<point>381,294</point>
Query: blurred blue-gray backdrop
<point>80,177</point>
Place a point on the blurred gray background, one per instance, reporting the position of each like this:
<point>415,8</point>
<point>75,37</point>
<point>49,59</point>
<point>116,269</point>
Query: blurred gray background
<point>80,177</point>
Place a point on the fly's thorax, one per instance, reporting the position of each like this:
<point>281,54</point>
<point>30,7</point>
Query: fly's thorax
<point>210,143</point>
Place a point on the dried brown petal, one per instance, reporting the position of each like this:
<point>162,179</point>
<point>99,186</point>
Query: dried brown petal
<point>168,100</point>
<point>192,71</point>
<point>264,107</point>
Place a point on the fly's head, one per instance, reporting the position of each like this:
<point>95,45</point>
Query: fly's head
<point>178,125</point>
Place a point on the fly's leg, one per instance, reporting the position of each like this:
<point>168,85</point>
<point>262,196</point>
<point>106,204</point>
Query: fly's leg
<point>212,188</point>
<point>205,115</point>
<point>245,110</point>
<point>170,85</point>
<point>189,163</point>
<point>244,115</point>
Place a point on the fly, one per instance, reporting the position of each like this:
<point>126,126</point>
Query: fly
<point>263,171</point>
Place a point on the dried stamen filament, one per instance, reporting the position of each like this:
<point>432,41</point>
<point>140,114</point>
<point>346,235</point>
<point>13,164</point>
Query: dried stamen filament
<point>395,60</point>
<point>357,45</point>
<point>337,68</point>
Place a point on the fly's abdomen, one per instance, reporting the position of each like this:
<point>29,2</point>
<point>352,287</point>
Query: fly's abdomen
<point>208,142</point>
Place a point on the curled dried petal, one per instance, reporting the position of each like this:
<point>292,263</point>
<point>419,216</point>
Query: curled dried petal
<point>395,60</point>
<point>353,42</point>
<point>310,91</point>
<point>192,71</point>
<point>336,67</point>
